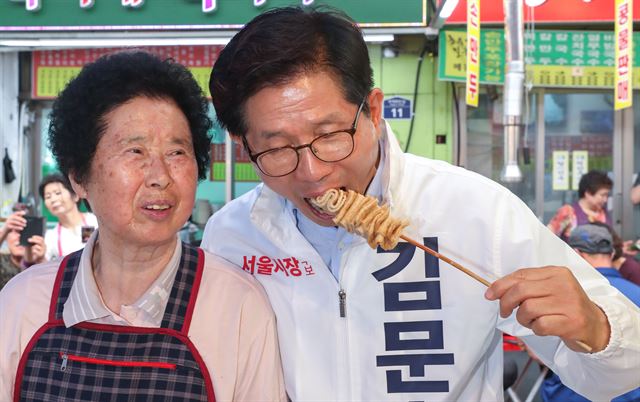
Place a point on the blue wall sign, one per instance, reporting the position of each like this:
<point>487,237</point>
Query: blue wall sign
<point>397,108</point>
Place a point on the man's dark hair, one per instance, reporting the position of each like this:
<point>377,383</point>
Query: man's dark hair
<point>78,116</point>
<point>592,182</point>
<point>278,46</point>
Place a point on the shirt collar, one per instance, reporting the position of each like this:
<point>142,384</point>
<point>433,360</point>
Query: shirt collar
<point>85,301</point>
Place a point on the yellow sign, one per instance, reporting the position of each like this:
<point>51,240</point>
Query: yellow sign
<point>473,52</point>
<point>580,166</point>
<point>560,171</point>
<point>50,81</point>
<point>623,59</point>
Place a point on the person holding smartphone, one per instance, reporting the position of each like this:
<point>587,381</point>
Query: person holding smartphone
<point>19,256</point>
<point>74,227</point>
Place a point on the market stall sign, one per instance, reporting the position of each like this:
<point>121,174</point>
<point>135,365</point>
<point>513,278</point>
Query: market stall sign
<point>569,59</point>
<point>546,11</point>
<point>623,57</point>
<point>53,69</point>
<point>472,88</point>
<point>58,15</point>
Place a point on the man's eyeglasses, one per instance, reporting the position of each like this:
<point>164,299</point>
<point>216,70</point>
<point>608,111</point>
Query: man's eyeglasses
<point>330,147</point>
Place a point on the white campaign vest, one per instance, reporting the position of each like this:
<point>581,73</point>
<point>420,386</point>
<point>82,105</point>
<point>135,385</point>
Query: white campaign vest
<point>414,328</point>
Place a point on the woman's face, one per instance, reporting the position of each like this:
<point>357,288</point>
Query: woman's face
<point>143,177</point>
<point>58,200</point>
<point>597,200</point>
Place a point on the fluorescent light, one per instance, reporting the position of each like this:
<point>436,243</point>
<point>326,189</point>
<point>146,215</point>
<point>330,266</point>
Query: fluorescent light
<point>447,8</point>
<point>108,42</point>
<point>378,38</point>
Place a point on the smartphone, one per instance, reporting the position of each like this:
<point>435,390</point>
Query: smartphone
<point>86,233</point>
<point>35,227</point>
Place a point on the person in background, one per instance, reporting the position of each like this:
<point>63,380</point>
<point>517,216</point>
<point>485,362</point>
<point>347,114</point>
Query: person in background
<point>623,256</point>
<point>593,192</point>
<point>19,257</point>
<point>635,191</point>
<point>137,314</point>
<point>355,323</point>
<point>74,227</point>
<point>594,243</point>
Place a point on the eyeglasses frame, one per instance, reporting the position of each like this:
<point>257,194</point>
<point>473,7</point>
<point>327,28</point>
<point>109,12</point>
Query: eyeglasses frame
<point>351,131</point>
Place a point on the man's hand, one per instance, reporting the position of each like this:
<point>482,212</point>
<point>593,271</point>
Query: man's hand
<point>34,254</point>
<point>552,302</point>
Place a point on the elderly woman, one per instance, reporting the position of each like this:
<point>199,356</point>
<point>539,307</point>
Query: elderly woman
<point>70,234</point>
<point>136,314</point>
<point>593,193</point>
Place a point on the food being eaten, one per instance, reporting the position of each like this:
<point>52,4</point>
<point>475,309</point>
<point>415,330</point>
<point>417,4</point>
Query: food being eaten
<point>363,216</point>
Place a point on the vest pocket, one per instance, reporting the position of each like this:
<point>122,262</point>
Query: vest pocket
<point>66,357</point>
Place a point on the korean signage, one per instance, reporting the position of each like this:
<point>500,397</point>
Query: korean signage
<point>580,166</point>
<point>569,59</point>
<point>624,58</point>
<point>53,69</point>
<point>545,11</point>
<point>560,171</point>
<point>473,53</point>
<point>396,107</point>
<point>92,15</point>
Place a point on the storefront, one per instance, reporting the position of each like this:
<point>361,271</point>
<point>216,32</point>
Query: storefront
<point>570,125</point>
<point>42,48</point>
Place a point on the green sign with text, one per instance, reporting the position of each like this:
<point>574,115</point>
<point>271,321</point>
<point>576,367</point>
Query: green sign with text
<point>33,15</point>
<point>553,58</point>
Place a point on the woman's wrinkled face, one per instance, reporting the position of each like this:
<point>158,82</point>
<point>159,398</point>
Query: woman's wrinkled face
<point>143,177</point>
<point>58,200</point>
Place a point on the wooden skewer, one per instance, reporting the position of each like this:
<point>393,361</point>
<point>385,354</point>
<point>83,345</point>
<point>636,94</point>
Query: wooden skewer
<point>472,274</point>
<point>447,260</point>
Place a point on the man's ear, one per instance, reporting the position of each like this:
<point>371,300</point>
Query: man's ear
<point>78,188</point>
<point>236,139</point>
<point>375,99</point>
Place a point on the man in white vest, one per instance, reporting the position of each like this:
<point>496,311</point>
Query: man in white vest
<point>356,324</point>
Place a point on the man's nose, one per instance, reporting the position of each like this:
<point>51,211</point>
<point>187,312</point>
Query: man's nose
<point>310,168</point>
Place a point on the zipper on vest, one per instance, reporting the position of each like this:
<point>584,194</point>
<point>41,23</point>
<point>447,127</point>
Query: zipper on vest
<point>63,366</point>
<point>342,300</point>
<point>66,357</point>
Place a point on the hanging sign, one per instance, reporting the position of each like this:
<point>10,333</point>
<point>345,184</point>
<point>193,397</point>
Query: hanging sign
<point>623,59</point>
<point>560,170</point>
<point>396,107</point>
<point>473,52</point>
<point>99,15</point>
<point>563,59</point>
<point>580,166</point>
<point>53,69</point>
